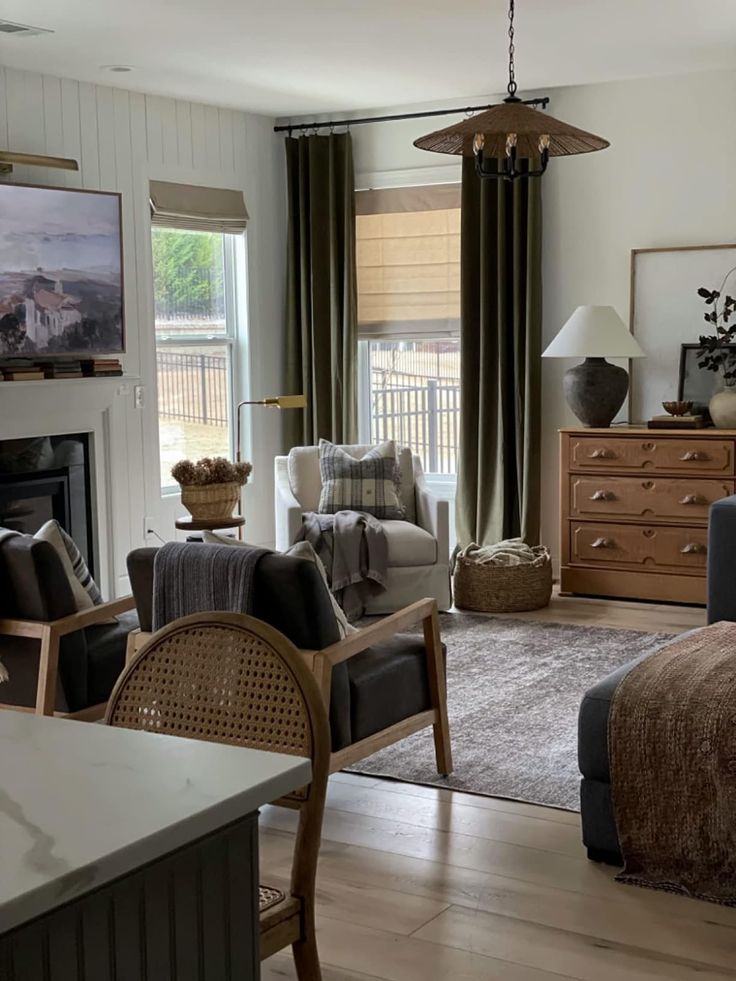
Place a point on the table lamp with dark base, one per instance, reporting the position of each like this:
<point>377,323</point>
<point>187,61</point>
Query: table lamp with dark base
<point>595,389</point>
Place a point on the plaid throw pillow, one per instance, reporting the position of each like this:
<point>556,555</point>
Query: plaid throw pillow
<point>370,484</point>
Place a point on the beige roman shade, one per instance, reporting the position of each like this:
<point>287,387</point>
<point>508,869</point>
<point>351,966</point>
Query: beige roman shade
<point>408,260</point>
<point>202,209</point>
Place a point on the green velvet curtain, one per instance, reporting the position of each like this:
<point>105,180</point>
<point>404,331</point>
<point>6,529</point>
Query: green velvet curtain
<point>322,342</point>
<point>498,487</point>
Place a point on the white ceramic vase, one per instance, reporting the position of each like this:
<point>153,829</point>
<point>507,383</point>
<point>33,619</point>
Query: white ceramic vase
<point>723,408</point>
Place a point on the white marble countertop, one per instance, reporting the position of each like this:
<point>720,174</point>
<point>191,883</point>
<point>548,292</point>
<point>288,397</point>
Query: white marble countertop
<point>82,804</point>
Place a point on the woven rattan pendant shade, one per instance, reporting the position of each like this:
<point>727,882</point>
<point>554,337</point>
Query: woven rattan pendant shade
<point>514,117</point>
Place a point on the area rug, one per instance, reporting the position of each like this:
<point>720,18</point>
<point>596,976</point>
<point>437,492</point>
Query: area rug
<point>514,688</point>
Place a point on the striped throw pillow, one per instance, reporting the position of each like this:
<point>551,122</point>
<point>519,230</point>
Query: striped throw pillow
<point>84,588</point>
<point>370,484</point>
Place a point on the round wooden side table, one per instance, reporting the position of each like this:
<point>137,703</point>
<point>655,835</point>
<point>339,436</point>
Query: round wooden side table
<point>209,524</point>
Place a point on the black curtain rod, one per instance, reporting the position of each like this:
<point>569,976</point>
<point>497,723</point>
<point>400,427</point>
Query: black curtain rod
<point>331,123</point>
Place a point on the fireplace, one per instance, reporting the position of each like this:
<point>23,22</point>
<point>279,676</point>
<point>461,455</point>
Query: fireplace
<point>46,477</point>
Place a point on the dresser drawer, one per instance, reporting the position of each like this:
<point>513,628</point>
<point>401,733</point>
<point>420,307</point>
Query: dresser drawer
<point>673,455</point>
<point>647,498</point>
<point>639,547</point>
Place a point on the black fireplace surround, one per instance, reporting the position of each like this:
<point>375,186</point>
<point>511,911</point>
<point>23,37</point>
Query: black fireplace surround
<point>44,477</point>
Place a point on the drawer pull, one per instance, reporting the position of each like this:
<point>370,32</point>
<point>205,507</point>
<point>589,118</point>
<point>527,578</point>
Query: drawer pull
<point>693,455</point>
<point>603,543</point>
<point>601,455</point>
<point>693,548</point>
<point>693,499</point>
<point>603,495</point>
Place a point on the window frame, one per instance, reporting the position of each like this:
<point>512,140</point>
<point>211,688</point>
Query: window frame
<point>233,260</point>
<point>432,177</point>
<point>365,396</point>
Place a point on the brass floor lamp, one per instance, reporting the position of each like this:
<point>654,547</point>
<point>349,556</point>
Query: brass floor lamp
<point>274,402</point>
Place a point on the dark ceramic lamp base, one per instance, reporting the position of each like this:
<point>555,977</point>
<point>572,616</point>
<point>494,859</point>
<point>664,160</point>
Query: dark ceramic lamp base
<point>595,391</point>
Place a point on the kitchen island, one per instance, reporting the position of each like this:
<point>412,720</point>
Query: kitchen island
<point>127,855</point>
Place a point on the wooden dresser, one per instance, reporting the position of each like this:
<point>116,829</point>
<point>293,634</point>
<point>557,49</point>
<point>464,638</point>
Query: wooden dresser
<point>634,508</point>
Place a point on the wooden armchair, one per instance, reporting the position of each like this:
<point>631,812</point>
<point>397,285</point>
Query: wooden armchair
<point>60,662</point>
<point>228,678</point>
<point>379,685</point>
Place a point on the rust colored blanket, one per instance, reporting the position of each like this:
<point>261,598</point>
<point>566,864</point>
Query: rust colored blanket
<point>672,747</point>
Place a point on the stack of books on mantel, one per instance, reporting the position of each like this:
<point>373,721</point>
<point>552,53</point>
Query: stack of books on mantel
<point>20,369</point>
<point>68,368</point>
<point>102,368</point>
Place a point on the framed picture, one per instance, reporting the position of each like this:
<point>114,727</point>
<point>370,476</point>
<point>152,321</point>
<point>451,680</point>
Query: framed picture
<point>697,385</point>
<point>667,313</point>
<point>61,272</point>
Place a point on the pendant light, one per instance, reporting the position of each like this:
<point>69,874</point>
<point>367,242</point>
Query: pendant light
<point>505,135</point>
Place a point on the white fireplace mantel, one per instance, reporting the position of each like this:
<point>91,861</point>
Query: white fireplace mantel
<point>104,408</point>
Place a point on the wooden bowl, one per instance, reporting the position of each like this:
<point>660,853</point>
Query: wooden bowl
<point>677,408</point>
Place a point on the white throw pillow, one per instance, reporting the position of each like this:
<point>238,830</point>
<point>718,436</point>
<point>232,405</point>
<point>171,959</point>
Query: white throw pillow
<point>371,484</point>
<point>302,550</point>
<point>84,588</point>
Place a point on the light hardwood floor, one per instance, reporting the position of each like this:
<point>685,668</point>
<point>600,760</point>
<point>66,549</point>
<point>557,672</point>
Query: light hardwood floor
<point>421,884</point>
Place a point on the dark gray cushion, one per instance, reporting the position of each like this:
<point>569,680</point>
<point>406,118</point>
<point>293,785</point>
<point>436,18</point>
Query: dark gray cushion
<point>288,594</point>
<point>388,683</point>
<point>106,643</point>
<point>599,823</point>
<point>721,555</point>
<point>35,587</point>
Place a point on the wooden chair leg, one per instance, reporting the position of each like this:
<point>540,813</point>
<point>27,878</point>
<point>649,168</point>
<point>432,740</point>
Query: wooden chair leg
<point>306,958</point>
<point>438,692</point>
<point>47,672</point>
<point>130,646</point>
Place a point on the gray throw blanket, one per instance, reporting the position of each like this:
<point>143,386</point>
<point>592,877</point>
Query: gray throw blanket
<point>193,578</point>
<point>353,548</point>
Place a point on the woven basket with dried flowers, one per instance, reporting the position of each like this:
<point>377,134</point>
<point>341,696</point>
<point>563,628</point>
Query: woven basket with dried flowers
<point>211,486</point>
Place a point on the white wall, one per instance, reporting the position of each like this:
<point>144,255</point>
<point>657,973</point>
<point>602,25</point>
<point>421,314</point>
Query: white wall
<point>668,179</point>
<point>122,140</point>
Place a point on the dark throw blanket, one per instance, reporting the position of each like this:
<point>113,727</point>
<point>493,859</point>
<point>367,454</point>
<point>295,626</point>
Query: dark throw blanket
<point>193,578</point>
<point>353,549</point>
<point>672,745</point>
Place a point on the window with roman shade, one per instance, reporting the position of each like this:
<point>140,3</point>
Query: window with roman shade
<point>198,252</point>
<point>408,262</point>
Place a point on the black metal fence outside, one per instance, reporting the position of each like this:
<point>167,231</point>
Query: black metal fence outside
<point>193,387</point>
<point>415,411</point>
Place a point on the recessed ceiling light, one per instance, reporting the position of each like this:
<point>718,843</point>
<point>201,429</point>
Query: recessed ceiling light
<point>117,68</point>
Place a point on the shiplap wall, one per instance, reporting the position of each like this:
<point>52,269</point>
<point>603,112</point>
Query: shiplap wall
<point>122,140</point>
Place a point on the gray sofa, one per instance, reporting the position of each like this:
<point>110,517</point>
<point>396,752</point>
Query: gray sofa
<point>599,826</point>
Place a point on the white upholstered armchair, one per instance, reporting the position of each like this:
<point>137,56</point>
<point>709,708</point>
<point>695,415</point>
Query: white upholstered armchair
<point>418,548</point>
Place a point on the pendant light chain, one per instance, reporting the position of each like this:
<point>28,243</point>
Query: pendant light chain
<point>511,141</point>
<point>511,87</point>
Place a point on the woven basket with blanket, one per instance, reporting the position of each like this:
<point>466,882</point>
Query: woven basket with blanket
<point>507,577</point>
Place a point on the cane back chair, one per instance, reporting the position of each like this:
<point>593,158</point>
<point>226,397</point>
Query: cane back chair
<point>229,678</point>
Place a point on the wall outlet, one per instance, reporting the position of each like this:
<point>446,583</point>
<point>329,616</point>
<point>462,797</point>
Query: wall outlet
<point>138,396</point>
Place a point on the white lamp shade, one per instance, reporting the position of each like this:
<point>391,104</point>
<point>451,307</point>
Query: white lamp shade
<point>594,332</point>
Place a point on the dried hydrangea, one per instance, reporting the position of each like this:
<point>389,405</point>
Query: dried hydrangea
<point>211,470</point>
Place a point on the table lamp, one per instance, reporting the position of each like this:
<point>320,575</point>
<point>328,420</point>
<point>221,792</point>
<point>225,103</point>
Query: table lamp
<point>595,390</point>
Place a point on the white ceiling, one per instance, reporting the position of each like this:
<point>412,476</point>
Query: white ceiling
<point>286,57</point>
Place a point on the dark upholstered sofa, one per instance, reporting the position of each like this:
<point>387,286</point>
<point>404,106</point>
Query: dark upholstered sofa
<point>370,692</point>
<point>599,826</point>
<point>36,599</point>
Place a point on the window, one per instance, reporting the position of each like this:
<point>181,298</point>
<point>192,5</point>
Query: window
<point>195,291</point>
<point>408,259</point>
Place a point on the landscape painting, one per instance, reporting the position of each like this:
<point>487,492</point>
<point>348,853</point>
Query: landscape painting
<point>61,279</point>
